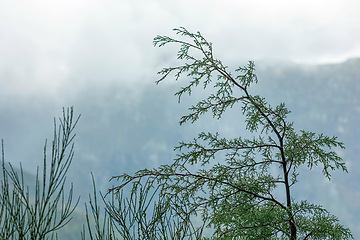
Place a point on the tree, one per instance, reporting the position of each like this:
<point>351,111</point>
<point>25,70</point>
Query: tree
<point>231,183</point>
<point>39,213</point>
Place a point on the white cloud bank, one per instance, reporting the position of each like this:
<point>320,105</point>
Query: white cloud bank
<point>48,46</point>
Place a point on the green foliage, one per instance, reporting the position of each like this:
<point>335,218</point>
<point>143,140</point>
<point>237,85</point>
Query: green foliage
<point>98,227</point>
<point>145,215</point>
<point>38,215</point>
<point>138,216</point>
<point>231,182</point>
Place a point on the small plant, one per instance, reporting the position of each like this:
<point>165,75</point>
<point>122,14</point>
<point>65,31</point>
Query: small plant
<point>142,215</point>
<point>38,213</point>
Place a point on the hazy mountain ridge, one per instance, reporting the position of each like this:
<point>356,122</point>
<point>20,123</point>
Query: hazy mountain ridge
<point>123,130</point>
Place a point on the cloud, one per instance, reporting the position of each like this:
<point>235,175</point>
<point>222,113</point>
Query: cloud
<point>49,47</point>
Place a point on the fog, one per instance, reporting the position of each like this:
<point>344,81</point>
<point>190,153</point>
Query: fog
<point>47,46</point>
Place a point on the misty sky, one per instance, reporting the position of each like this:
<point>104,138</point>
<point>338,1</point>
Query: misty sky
<point>45,46</point>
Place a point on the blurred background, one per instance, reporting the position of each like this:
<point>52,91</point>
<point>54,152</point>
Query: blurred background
<point>98,56</point>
